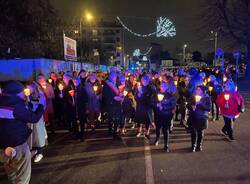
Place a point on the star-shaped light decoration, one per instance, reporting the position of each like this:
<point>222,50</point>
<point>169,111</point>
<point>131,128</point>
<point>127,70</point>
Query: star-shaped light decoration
<point>165,28</point>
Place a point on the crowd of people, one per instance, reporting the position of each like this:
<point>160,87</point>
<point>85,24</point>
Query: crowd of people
<point>139,99</point>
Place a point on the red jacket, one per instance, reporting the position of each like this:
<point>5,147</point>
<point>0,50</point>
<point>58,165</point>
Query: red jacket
<point>234,101</point>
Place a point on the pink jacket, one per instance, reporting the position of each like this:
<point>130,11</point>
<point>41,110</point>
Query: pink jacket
<point>229,108</point>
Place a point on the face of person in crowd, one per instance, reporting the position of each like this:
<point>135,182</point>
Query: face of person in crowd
<point>199,91</point>
<point>53,76</point>
<point>144,81</point>
<point>41,80</point>
<point>92,78</point>
<point>123,80</point>
<point>66,80</point>
<point>83,74</point>
<point>163,87</point>
<point>112,77</point>
<point>76,82</point>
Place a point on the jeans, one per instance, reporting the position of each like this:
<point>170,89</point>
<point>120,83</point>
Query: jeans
<point>18,168</point>
<point>196,137</point>
<point>164,124</point>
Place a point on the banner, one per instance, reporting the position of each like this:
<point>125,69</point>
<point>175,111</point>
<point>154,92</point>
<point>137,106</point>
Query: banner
<point>70,50</point>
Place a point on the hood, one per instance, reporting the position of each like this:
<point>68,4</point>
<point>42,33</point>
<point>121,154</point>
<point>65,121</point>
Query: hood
<point>9,100</point>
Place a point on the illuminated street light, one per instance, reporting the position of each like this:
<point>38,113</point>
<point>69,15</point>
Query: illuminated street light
<point>89,17</point>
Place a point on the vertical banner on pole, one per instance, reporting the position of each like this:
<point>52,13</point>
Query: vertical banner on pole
<point>70,50</point>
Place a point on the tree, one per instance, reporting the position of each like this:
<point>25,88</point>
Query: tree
<point>197,56</point>
<point>231,19</point>
<point>30,28</point>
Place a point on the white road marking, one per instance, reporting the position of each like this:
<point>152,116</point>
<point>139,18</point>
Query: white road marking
<point>148,164</point>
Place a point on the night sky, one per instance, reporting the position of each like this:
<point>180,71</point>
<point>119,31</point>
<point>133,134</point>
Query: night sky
<point>182,12</point>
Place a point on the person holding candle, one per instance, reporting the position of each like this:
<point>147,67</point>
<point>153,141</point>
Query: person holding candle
<point>81,99</point>
<point>48,91</point>
<point>198,105</point>
<point>164,112</point>
<point>14,132</point>
<point>144,109</point>
<point>231,104</point>
<point>112,104</point>
<point>214,89</point>
<point>93,88</point>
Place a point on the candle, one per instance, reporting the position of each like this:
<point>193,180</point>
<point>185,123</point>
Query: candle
<point>95,88</point>
<point>160,97</point>
<point>204,83</point>
<point>72,92</point>
<point>50,81</point>
<point>60,87</point>
<point>208,79</point>
<point>160,78</point>
<point>175,83</point>
<point>226,96</point>
<point>197,98</point>
<point>125,93</point>
<point>210,88</point>
<point>224,79</point>
<point>26,92</point>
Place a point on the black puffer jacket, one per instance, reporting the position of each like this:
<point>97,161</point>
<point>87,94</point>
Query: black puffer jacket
<point>198,118</point>
<point>14,116</point>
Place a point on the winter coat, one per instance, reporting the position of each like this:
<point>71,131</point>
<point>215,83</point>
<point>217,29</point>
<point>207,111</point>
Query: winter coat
<point>198,118</point>
<point>93,104</point>
<point>14,116</point>
<point>231,107</point>
<point>168,106</point>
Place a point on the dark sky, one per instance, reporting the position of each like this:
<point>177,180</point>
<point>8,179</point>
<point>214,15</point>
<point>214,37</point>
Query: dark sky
<point>182,12</point>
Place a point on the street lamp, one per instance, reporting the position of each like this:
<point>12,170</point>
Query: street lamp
<point>89,17</point>
<point>215,44</point>
<point>184,52</point>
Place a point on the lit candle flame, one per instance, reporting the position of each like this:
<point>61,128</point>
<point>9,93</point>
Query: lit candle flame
<point>224,79</point>
<point>175,83</point>
<point>210,88</point>
<point>60,87</point>
<point>197,98</point>
<point>95,88</point>
<point>50,81</point>
<point>26,92</point>
<point>160,97</point>
<point>125,93</point>
<point>227,96</point>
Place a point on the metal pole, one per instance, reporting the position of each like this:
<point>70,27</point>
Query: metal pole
<point>81,42</point>
<point>184,54</point>
<point>215,47</point>
<point>237,69</point>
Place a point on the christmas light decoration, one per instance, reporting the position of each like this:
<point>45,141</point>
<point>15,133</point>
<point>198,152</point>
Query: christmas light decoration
<point>164,28</point>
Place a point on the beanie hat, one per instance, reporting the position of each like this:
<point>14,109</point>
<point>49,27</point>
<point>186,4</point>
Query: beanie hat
<point>13,87</point>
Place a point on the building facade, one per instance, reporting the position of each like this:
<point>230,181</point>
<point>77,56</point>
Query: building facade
<point>100,42</point>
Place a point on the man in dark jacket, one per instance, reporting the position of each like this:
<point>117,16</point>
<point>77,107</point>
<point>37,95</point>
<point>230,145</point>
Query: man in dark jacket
<point>14,116</point>
<point>112,104</point>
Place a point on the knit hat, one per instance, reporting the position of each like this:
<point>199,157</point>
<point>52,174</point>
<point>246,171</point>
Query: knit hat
<point>13,87</point>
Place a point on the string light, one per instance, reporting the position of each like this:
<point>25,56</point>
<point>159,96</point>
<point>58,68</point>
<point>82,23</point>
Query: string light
<point>164,28</point>
<point>138,53</point>
<point>132,32</point>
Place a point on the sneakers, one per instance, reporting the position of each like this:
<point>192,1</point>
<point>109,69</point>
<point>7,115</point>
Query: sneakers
<point>199,148</point>
<point>166,149</point>
<point>193,149</point>
<point>156,142</point>
<point>139,134</point>
<point>38,158</point>
<point>224,132</point>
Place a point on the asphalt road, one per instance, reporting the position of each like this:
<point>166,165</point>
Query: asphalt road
<point>135,160</point>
